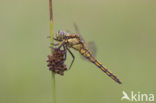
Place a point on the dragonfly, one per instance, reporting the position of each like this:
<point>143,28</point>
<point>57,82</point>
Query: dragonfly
<point>75,41</point>
<point>90,44</point>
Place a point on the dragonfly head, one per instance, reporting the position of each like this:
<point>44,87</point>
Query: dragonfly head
<point>60,35</point>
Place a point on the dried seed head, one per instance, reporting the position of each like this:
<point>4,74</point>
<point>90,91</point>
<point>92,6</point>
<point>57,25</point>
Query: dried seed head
<point>56,62</point>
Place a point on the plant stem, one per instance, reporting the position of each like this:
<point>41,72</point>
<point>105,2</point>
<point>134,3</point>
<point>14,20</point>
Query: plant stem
<point>51,22</point>
<point>51,41</point>
<point>53,88</point>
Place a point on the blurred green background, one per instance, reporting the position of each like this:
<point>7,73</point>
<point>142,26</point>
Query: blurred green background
<point>125,36</point>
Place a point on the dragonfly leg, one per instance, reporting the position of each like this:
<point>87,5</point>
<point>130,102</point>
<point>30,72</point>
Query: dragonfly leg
<point>59,45</point>
<point>72,57</point>
<point>65,57</point>
<point>54,44</point>
<point>55,39</point>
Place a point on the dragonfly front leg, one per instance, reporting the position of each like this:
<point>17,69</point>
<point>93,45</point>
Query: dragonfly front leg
<point>54,44</point>
<point>58,44</point>
<point>53,38</point>
<point>72,57</point>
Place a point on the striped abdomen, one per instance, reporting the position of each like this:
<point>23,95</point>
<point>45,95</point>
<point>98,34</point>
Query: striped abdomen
<point>88,55</point>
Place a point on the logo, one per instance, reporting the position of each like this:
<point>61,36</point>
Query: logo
<point>137,96</point>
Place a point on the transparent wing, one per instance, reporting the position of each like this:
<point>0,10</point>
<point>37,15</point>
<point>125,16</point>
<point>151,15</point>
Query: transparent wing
<point>78,32</point>
<point>90,45</point>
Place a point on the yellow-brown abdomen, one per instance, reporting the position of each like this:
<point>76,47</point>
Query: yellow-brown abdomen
<point>88,55</point>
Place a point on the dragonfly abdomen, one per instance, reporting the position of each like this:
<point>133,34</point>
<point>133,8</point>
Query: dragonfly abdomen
<point>88,55</point>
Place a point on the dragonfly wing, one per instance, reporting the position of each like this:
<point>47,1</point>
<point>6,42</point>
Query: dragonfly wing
<point>76,28</point>
<point>90,45</point>
<point>78,31</point>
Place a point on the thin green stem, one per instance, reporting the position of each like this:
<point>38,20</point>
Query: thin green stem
<point>53,88</point>
<point>52,40</point>
<point>51,22</point>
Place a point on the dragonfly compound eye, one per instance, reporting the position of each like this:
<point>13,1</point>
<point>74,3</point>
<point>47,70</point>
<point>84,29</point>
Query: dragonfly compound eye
<point>60,32</point>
